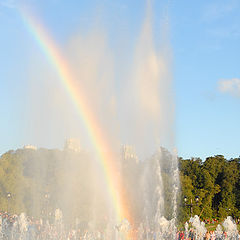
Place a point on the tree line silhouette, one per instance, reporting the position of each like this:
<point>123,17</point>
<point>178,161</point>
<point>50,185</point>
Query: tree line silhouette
<point>42,180</point>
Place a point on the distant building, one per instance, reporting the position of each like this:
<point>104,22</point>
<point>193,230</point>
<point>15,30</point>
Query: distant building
<point>72,144</point>
<point>30,147</point>
<point>128,152</point>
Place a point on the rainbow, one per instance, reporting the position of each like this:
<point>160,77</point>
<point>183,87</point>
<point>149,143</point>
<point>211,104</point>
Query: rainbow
<point>99,140</point>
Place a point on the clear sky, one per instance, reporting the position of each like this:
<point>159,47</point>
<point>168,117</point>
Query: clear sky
<point>204,37</point>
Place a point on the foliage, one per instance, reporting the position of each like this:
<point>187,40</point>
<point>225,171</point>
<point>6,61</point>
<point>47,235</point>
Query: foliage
<point>216,182</point>
<point>42,180</point>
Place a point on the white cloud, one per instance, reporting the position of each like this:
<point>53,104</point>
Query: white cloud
<point>231,86</point>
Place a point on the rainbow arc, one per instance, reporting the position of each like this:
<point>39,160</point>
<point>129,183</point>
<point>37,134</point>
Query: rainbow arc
<point>97,136</point>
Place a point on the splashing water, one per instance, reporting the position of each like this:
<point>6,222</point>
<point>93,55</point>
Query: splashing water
<point>230,227</point>
<point>199,227</point>
<point>219,232</point>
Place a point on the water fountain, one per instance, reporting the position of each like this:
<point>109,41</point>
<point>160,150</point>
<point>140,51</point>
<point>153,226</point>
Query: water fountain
<point>219,232</point>
<point>230,228</point>
<point>198,227</point>
<point>83,184</point>
<point>23,228</point>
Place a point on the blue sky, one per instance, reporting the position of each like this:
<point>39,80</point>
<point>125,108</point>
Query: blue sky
<point>204,38</point>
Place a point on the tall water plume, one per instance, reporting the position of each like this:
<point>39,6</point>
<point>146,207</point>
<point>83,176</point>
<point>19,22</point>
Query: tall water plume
<point>142,117</point>
<point>148,101</point>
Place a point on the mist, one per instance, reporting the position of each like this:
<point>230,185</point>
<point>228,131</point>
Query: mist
<point>131,98</point>
<point>134,107</point>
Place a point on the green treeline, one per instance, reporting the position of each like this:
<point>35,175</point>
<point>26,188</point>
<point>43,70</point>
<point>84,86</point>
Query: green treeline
<point>216,181</point>
<point>42,180</point>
